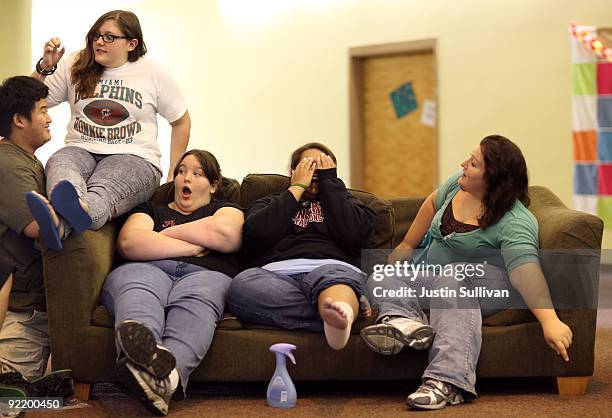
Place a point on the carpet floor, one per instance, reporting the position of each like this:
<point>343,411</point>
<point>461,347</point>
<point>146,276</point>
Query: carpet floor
<point>498,397</point>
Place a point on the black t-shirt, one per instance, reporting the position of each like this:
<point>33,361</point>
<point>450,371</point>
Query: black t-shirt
<point>336,225</point>
<point>164,217</point>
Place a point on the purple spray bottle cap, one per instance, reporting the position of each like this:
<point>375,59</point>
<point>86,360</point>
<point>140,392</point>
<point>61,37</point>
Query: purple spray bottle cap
<point>285,349</point>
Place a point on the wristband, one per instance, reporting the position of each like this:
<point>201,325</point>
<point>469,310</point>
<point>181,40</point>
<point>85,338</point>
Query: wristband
<point>40,70</point>
<point>299,185</point>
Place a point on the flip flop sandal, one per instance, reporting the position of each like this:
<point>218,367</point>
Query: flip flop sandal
<point>49,233</point>
<point>65,201</point>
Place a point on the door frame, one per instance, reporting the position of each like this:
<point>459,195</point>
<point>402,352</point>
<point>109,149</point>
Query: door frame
<point>357,55</point>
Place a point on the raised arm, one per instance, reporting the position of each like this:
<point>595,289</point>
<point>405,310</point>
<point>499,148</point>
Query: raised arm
<point>351,222</point>
<point>267,220</point>
<point>179,138</point>
<point>52,53</point>
<point>221,232</point>
<point>417,230</point>
<point>138,241</point>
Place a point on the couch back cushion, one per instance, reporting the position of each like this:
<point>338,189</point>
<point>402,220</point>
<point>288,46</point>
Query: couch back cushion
<point>561,228</point>
<point>230,190</point>
<point>256,186</point>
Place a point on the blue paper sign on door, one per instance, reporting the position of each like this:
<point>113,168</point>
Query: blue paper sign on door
<point>403,99</point>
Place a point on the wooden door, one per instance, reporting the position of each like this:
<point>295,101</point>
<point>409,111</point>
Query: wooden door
<point>398,143</point>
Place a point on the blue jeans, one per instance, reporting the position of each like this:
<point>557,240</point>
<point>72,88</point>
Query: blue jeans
<point>453,355</point>
<point>110,184</point>
<point>180,302</point>
<point>285,301</point>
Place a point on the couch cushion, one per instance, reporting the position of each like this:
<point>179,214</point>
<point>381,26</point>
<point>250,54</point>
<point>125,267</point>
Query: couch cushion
<point>405,209</point>
<point>256,186</point>
<point>560,228</point>
<point>102,318</point>
<point>509,317</point>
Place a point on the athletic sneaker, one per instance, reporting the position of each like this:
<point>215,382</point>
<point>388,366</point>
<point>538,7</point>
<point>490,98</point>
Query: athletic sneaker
<point>154,393</point>
<point>393,333</point>
<point>58,384</point>
<point>434,394</point>
<point>138,344</point>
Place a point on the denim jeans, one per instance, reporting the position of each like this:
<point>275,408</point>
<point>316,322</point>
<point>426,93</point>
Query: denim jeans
<point>110,184</point>
<point>262,297</point>
<point>180,302</point>
<point>453,355</point>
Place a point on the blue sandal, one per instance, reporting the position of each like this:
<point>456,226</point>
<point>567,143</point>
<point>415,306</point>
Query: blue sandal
<point>65,201</point>
<point>49,233</point>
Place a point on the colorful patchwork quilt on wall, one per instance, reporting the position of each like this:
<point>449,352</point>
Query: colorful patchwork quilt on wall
<point>592,122</point>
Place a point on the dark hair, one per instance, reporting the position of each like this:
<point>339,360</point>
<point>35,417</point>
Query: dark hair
<point>505,177</point>
<point>86,72</point>
<point>295,155</point>
<point>18,95</point>
<point>210,165</point>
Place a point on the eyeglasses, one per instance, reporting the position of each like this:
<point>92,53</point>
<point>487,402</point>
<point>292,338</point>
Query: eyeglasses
<point>107,37</point>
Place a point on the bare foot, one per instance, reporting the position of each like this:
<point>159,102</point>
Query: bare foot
<point>333,315</point>
<point>56,219</point>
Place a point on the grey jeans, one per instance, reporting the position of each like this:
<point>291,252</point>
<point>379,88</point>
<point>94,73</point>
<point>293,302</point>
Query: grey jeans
<point>457,321</point>
<point>110,184</point>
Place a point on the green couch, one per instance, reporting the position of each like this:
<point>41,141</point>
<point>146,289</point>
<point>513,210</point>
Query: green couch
<point>82,331</point>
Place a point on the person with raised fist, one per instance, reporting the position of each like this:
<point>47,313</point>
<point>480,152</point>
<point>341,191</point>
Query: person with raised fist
<point>111,161</point>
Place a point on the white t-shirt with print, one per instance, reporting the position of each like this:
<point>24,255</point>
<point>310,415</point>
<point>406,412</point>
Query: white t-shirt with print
<point>121,118</point>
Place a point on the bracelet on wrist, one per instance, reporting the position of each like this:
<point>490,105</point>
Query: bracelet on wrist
<point>303,186</point>
<point>40,70</point>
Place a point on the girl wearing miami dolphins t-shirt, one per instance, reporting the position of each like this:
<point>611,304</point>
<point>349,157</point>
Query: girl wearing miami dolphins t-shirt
<point>111,161</point>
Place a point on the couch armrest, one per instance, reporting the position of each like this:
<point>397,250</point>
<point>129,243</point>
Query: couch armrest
<point>74,279</point>
<point>406,209</point>
<point>570,243</point>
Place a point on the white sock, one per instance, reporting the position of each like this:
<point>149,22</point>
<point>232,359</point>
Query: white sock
<point>174,379</point>
<point>336,337</point>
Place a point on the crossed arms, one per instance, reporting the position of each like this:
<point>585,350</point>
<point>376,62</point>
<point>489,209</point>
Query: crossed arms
<point>220,232</point>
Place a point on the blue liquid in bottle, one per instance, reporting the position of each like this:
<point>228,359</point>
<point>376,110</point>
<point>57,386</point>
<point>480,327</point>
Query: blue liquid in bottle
<point>281,390</point>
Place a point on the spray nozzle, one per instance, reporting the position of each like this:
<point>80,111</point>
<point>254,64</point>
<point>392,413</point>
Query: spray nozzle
<point>284,348</point>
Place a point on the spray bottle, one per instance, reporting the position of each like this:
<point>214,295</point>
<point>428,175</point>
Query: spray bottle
<point>281,391</point>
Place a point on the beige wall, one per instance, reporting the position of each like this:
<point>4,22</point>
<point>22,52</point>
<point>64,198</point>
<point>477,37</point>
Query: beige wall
<point>258,85</point>
<point>15,39</point>
<point>260,80</point>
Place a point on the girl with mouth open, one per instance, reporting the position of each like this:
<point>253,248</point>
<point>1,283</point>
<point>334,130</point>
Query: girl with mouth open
<point>168,300</point>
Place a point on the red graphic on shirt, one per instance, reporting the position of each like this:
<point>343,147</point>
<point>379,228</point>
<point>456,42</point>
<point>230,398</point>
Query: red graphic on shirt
<point>312,213</point>
<point>106,112</point>
<point>168,223</point>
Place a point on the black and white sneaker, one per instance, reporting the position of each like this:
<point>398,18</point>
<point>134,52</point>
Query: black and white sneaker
<point>434,394</point>
<point>153,392</point>
<point>57,384</point>
<point>391,335</point>
<point>138,344</point>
